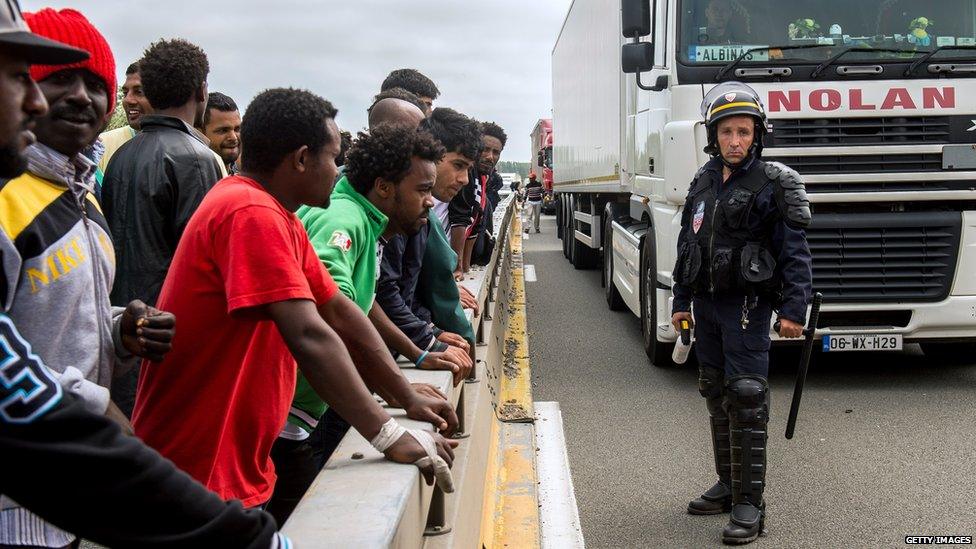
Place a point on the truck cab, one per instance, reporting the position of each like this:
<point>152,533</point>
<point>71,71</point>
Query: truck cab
<point>873,102</point>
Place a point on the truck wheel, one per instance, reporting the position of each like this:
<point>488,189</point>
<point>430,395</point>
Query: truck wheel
<point>949,353</point>
<point>614,301</point>
<point>558,207</point>
<point>658,352</point>
<point>567,228</point>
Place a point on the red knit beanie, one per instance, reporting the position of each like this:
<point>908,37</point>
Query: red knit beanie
<point>70,27</point>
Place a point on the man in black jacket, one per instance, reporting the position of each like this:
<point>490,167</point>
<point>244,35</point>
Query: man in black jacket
<point>156,181</point>
<point>129,496</point>
<point>472,209</point>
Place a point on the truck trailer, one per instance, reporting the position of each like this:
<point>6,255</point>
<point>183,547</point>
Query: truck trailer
<point>872,102</point>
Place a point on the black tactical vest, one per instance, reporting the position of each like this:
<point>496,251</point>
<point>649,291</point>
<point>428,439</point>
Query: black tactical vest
<point>721,253</point>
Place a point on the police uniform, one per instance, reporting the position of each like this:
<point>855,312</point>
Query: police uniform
<point>742,254</point>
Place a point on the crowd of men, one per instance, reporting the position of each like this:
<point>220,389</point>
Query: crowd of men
<point>231,290</point>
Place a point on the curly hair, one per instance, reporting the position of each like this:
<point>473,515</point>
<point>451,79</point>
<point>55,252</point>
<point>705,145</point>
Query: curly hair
<point>494,130</point>
<point>412,81</point>
<point>280,121</point>
<point>344,144</point>
<point>219,102</point>
<point>398,93</point>
<point>387,152</point>
<point>172,71</point>
<point>458,133</point>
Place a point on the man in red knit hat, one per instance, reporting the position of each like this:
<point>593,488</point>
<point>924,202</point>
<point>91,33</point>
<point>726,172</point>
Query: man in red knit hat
<point>58,256</point>
<point>127,495</point>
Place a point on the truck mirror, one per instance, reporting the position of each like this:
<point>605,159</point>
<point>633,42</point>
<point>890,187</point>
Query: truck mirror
<point>636,18</point>
<point>637,58</point>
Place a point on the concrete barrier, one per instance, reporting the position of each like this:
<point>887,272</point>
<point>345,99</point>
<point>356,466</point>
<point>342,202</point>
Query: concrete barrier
<point>361,500</point>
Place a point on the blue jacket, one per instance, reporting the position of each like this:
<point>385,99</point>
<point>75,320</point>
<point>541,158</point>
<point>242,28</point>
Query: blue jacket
<point>794,263</point>
<point>397,284</point>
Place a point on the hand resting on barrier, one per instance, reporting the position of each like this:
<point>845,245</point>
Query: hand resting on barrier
<point>431,452</point>
<point>428,389</point>
<point>453,359</point>
<point>454,340</point>
<point>430,405</point>
<point>468,299</point>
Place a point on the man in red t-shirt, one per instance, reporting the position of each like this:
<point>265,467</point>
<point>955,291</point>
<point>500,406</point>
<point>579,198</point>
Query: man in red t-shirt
<point>252,298</point>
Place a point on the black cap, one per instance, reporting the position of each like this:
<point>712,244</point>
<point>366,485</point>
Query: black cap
<point>16,39</point>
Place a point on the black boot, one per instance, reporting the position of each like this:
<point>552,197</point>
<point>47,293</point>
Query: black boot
<point>718,498</point>
<point>747,399</point>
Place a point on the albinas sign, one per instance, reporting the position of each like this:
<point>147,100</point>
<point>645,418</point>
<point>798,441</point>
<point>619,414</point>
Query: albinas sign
<point>858,99</point>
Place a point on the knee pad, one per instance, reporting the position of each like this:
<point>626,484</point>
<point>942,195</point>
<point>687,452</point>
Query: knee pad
<point>711,386</point>
<point>747,398</point>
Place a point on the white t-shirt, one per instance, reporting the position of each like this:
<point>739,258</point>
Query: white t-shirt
<point>440,210</point>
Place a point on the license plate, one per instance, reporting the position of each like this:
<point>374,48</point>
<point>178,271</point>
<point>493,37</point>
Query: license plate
<point>862,342</point>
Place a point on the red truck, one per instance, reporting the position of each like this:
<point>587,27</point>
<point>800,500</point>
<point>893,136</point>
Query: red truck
<point>541,160</point>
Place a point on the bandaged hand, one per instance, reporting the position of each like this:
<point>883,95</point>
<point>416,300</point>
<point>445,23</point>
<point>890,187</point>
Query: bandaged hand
<point>430,452</point>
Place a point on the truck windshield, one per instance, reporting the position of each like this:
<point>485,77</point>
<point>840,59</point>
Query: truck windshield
<point>718,31</point>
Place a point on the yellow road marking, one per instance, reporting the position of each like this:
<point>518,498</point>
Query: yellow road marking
<point>510,515</point>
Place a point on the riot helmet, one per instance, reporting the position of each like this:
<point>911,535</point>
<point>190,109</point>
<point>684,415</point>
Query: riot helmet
<point>733,99</point>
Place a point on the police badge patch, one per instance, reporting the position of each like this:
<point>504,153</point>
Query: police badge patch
<point>341,240</point>
<point>699,217</point>
<point>730,97</point>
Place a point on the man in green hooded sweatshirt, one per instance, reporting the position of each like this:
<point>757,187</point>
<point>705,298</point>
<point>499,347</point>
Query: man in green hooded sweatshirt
<point>386,191</point>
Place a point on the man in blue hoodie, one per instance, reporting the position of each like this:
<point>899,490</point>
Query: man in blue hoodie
<point>404,257</point>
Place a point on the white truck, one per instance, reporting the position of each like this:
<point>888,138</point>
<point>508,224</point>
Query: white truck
<point>873,102</point>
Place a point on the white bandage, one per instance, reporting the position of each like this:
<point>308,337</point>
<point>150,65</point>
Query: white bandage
<point>442,473</point>
<point>391,431</point>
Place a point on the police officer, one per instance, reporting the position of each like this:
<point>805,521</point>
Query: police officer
<point>742,254</point>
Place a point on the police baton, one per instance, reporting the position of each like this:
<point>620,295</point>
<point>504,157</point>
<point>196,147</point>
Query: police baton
<point>801,374</point>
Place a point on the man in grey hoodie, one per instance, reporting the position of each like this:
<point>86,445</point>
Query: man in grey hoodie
<point>58,259</point>
<point>128,494</point>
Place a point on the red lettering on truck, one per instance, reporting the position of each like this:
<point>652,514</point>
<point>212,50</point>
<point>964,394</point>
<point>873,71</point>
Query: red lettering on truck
<point>779,101</point>
<point>826,99</point>
<point>898,97</point>
<point>946,98</point>
<point>857,102</point>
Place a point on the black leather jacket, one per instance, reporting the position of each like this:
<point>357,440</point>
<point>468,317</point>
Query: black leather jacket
<point>152,186</point>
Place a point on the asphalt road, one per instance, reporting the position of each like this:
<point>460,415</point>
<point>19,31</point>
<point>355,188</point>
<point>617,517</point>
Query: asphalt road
<point>885,444</point>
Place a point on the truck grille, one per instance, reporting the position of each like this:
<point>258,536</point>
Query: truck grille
<point>895,130</point>
<point>869,163</point>
<point>907,256</point>
<point>890,186</point>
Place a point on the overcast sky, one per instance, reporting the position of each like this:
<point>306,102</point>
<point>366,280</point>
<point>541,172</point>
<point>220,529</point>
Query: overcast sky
<point>489,58</point>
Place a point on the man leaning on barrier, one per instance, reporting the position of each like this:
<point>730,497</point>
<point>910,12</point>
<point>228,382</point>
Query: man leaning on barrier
<point>128,495</point>
<point>406,265</point>
<point>253,298</point>
<point>471,211</point>
<point>742,253</point>
<point>386,191</point>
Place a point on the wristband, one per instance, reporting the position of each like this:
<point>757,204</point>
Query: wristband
<point>420,359</point>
